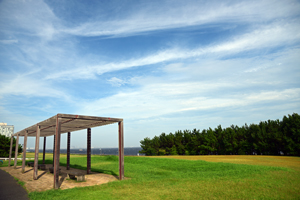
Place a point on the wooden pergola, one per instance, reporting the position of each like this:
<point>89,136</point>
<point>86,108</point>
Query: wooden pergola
<point>57,125</point>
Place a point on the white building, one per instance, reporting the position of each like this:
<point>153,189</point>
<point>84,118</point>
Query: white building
<point>6,130</point>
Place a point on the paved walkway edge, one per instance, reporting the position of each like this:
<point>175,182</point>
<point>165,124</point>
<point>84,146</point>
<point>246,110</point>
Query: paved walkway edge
<point>10,189</point>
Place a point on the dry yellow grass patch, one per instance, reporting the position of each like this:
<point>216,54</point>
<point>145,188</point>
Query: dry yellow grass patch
<point>279,161</point>
<point>50,155</point>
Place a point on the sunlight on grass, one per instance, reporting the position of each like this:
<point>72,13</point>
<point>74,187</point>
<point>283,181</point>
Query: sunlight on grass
<point>187,177</point>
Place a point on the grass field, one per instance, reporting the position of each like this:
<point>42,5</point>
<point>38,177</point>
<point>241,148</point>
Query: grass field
<point>187,177</point>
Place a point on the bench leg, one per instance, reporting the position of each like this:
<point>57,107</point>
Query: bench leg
<point>81,178</point>
<point>71,176</point>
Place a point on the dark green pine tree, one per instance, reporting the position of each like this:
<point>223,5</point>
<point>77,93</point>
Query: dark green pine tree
<point>291,134</point>
<point>147,149</point>
<point>270,137</point>
<point>5,147</point>
<point>178,137</point>
<point>170,142</point>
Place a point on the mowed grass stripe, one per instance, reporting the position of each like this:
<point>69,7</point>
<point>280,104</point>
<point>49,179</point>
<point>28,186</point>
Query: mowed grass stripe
<point>152,167</point>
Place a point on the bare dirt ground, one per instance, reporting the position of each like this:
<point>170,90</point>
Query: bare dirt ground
<point>45,178</point>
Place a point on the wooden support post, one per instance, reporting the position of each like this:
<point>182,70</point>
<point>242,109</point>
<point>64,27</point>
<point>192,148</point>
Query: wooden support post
<point>36,153</point>
<point>44,150</point>
<point>57,153</point>
<point>10,149</point>
<point>121,151</point>
<point>16,151</point>
<point>68,150</point>
<point>88,151</point>
<point>24,151</point>
<point>53,150</point>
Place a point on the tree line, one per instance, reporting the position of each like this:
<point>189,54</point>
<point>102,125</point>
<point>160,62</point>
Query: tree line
<point>272,137</point>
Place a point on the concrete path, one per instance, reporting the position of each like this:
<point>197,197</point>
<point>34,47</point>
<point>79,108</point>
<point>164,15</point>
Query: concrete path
<point>10,189</point>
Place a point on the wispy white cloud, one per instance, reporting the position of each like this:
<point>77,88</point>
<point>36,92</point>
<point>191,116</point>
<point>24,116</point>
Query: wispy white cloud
<point>28,17</point>
<point>270,36</point>
<point>37,18</point>
<point>8,41</point>
<point>143,104</point>
<point>114,81</point>
<point>204,85</point>
<point>29,86</point>
<point>11,117</point>
<point>250,63</point>
<point>43,22</point>
<point>192,13</point>
<point>276,34</point>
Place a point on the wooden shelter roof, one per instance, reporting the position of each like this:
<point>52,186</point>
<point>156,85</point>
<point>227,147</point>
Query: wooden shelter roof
<point>69,123</point>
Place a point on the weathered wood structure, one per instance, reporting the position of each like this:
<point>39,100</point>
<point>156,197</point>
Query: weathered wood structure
<point>65,123</point>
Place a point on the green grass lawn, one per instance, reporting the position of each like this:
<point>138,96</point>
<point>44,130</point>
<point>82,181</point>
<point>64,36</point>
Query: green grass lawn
<point>164,178</point>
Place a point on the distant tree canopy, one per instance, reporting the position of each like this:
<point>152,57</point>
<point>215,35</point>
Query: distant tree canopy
<point>272,137</point>
<point>5,146</point>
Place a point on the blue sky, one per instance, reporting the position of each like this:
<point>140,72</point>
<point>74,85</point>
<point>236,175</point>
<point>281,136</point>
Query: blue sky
<point>162,66</point>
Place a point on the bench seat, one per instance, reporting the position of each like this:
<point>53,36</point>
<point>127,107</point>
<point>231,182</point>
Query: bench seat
<point>51,169</point>
<point>79,176</point>
<point>40,166</point>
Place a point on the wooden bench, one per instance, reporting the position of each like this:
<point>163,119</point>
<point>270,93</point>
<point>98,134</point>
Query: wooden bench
<point>78,175</point>
<point>51,169</point>
<point>40,166</point>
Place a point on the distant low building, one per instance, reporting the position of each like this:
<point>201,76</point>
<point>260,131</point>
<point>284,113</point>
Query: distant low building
<point>6,130</point>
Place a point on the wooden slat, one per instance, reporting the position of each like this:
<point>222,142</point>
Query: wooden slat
<point>121,151</point>
<point>68,150</point>
<point>88,151</point>
<point>16,151</point>
<point>36,154</point>
<point>10,149</point>
<point>89,117</point>
<point>70,123</point>
<point>44,150</point>
<point>57,154</point>
<point>24,152</point>
<point>53,150</point>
